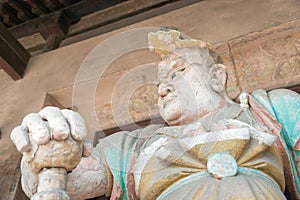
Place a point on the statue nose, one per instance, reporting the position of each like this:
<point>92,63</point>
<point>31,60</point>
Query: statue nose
<point>164,90</point>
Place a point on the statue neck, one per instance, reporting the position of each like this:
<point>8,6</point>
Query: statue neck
<point>230,110</point>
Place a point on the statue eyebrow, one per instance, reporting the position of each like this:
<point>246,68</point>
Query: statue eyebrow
<point>179,61</point>
<point>170,59</point>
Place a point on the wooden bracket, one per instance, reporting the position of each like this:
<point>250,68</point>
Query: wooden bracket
<point>13,56</point>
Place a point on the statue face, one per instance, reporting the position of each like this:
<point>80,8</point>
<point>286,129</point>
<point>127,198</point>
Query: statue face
<point>184,91</point>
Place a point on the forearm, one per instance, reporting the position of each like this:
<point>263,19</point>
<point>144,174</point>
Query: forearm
<point>90,178</point>
<point>29,180</point>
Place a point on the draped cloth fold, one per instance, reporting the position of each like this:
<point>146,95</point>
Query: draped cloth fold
<point>178,168</point>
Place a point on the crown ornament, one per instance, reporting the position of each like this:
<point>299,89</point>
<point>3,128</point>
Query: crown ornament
<point>163,42</point>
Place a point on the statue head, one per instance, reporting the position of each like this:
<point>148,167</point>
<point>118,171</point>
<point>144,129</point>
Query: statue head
<point>191,78</point>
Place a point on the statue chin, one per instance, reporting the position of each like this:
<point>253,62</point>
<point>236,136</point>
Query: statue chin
<point>172,118</point>
<point>171,113</point>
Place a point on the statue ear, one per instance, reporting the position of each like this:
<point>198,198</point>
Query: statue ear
<point>218,77</point>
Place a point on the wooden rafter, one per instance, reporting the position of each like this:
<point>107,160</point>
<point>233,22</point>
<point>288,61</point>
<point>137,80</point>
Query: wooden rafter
<point>71,15</point>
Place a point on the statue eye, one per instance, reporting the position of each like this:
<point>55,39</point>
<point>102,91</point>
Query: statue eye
<point>175,73</point>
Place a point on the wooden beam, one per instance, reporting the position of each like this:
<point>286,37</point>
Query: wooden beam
<point>67,2</point>
<point>53,23</point>
<point>114,13</point>
<point>37,7</point>
<point>71,14</point>
<point>111,23</point>
<point>13,56</point>
<point>52,42</point>
<point>85,7</point>
<point>23,10</point>
<point>8,14</point>
<point>52,5</point>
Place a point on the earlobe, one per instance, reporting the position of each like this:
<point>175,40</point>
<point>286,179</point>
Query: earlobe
<point>218,77</point>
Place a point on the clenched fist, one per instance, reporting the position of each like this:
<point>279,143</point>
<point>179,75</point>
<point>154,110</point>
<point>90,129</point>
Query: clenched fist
<point>52,138</point>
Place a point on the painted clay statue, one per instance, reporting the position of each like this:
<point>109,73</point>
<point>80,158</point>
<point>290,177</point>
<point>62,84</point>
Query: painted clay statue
<point>212,148</point>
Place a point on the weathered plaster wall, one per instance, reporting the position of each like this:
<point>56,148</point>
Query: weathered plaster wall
<point>214,21</point>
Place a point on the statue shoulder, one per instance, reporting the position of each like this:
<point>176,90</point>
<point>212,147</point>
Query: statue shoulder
<point>284,105</point>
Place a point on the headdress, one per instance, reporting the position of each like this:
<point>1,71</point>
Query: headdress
<point>163,42</point>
